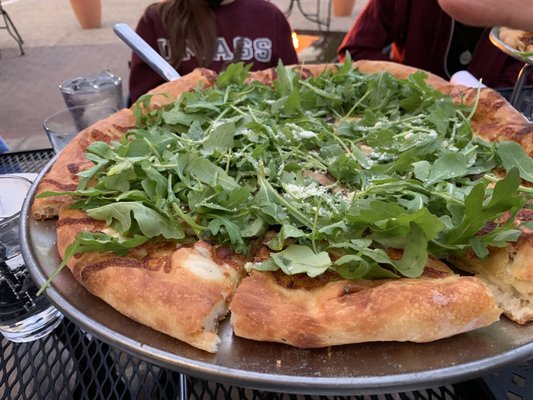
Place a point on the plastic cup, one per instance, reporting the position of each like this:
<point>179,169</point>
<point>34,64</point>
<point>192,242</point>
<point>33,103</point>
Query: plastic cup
<point>62,126</point>
<point>24,317</point>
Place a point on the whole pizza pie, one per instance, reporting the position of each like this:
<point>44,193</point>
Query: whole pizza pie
<point>314,206</point>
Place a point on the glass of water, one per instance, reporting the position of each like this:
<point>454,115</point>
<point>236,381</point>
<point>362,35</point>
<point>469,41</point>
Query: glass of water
<point>23,316</point>
<point>104,88</point>
<point>62,126</point>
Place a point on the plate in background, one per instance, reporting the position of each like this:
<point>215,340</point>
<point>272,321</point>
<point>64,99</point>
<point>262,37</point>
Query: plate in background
<point>494,36</point>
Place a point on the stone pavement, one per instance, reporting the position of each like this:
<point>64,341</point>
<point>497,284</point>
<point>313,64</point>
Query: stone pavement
<point>56,48</point>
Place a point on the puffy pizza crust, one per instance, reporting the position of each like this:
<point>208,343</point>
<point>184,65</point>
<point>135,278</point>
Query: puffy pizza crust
<point>342,312</point>
<point>180,291</point>
<point>508,272</point>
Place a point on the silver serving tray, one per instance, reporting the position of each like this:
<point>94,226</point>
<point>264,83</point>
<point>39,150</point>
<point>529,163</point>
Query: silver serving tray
<point>370,368</point>
<point>494,37</point>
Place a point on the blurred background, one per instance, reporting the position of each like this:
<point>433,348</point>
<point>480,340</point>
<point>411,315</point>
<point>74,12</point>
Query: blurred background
<point>57,48</point>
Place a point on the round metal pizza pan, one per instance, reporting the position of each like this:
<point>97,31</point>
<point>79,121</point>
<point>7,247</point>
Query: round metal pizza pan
<point>494,37</point>
<point>370,368</point>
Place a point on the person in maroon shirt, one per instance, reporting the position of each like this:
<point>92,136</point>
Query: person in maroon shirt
<point>211,34</point>
<point>422,35</point>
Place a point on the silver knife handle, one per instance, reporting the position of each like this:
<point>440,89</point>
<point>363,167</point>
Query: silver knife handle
<point>145,52</point>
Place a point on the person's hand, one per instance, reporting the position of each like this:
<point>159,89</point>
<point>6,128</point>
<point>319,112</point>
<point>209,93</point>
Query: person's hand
<point>516,14</point>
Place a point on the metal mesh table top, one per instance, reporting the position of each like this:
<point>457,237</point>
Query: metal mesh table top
<point>25,161</point>
<point>70,364</point>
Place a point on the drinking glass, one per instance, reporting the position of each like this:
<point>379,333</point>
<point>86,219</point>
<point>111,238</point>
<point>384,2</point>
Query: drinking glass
<point>104,89</point>
<point>24,317</point>
<point>62,126</point>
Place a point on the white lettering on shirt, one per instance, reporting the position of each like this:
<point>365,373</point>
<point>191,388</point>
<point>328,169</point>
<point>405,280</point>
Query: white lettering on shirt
<point>164,48</point>
<point>222,53</point>
<point>263,49</point>
<point>245,48</point>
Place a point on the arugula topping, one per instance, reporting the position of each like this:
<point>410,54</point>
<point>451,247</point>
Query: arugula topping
<point>336,172</point>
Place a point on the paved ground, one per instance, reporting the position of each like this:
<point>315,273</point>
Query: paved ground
<point>57,49</point>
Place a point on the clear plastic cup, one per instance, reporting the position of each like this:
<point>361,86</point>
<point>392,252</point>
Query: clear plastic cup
<point>62,126</point>
<point>24,317</point>
<point>104,89</point>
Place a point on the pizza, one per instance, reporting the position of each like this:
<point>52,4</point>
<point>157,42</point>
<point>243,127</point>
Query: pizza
<point>313,206</point>
<point>517,39</point>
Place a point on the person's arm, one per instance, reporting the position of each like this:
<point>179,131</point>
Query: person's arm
<point>370,33</point>
<point>142,76</point>
<point>516,14</point>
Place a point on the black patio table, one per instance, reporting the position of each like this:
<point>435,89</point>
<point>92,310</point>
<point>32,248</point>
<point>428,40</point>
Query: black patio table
<point>70,364</point>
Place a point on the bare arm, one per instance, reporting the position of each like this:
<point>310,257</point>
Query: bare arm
<point>512,13</point>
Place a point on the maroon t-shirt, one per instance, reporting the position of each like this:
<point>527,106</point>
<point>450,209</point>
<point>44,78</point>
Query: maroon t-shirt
<point>420,35</point>
<point>256,29</point>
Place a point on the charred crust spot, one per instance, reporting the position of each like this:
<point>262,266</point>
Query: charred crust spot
<point>488,228</point>
<point>100,136</point>
<point>526,130</point>
<point>74,168</point>
<point>223,253</point>
<point>285,281</point>
<point>77,221</point>
<point>269,75</point>
<point>433,273</point>
<point>262,254</point>
<point>525,215</point>
<point>68,187</point>
<point>83,143</point>
<point>209,75</point>
<point>112,262</point>
<point>350,289</point>
<point>122,129</point>
<point>302,281</point>
<point>158,263</point>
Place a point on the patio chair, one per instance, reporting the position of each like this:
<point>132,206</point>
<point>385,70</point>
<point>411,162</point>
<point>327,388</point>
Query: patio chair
<point>11,29</point>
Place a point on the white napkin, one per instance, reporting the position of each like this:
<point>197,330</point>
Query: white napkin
<point>465,78</point>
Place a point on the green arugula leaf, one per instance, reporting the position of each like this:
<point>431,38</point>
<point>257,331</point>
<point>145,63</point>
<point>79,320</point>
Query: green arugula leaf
<point>514,156</point>
<point>450,165</point>
<point>415,254</point>
<point>504,197</point>
<point>296,259</point>
<point>150,223</point>
<point>220,138</point>
<point>277,243</point>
